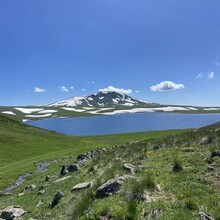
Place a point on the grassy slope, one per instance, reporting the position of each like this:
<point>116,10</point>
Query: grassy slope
<point>155,186</point>
<point>21,146</point>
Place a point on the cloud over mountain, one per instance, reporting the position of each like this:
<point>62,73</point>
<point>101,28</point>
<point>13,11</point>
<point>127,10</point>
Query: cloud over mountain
<point>114,89</point>
<point>166,86</point>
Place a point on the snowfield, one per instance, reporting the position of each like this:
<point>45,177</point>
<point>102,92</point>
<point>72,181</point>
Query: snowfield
<point>29,110</point>
<point>9,112</point>
<point>73,109</point>
<point>38,116</point>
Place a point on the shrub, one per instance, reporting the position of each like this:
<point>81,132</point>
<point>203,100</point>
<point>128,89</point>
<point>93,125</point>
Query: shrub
<point>177,167</point>
<point>191,205</point>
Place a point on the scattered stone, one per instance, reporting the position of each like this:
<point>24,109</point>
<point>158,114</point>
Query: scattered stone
<point>215,153</point>
<point>63,170</point>
<point>30,188</point>
<point>56,200</point>
<point>68,168</point>
<point>81,186</point>
<point>12,212</point>
<point>47,178</point>
<point>111,186</point>
<point>156,147</point>
<point>210,168</point>
<point>41,192</point>
<point>129,167</point>
<point>205,141</point>
<point>62,179</point>
<point>21,194</point>
<point>73,167</point>
<point>204,216</point>
<point>190,150</point>
<point>6,194</point>
<point>39,203</point>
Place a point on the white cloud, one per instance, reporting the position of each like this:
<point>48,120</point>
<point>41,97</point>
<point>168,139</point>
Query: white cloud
<point>39,90</point>
<point>114,89</point>
<point>72,88</point>
<point>63,89</point>
<point>93,82</point>
<point>166,86</point>
<point>208,75</point>
<point>83,90</point>
<point>211,75</point>
<point>137,91</point>
<point>217,63</point>
<point>200,75</point>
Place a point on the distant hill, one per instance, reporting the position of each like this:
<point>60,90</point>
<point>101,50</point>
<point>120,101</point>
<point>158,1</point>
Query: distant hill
<point>101,99</point>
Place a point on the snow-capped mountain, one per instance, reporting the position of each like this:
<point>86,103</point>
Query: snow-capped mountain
<point>101,99</point>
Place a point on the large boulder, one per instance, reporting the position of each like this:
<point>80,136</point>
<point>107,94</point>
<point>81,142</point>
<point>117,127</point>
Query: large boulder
<point>111,186</point>
<point>12,212</point>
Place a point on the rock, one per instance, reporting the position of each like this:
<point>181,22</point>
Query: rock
<point>12,212</point>
<point>81,186</point>
<point>210,168</point>
<point>47,178</point>
<point>111,187</point>
<point>73,167</point>
<point>204,216</point>
<point>68,168</point>
<point>215,153</point>
<point>62,179</point>
<point>41,192</point>
<point>63,170</point>
<point>56,200</point>
<point>39,203</point>
<point>190,150</point>
<point>6,194</point>
<point>30,188</point>
<point>205,141</point>
<point>154,213</point>
<point>129,167</point>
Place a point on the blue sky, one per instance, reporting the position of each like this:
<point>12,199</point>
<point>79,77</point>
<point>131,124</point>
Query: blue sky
<point>163,51</point>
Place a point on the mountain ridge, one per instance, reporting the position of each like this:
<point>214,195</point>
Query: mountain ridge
<point>101,99</point>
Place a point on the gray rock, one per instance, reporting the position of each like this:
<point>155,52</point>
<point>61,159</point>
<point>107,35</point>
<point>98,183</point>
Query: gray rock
<point>47,178</point>
<point>205,141</point>
<point>56,200</point>
<point>215,153</point>
<point>190,150</point>
<point>129,167</point>
<point>111,186</point>
<point>81,186</point>
<point>73,167</point>
<point>210,168</point>
<point>12,212</point>
<point>204,216</point>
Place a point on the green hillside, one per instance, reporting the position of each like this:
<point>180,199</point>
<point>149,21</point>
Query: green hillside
<point>165,175</point>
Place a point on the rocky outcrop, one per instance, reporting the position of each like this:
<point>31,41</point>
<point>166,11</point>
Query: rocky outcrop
<point>111,187</point>
<point>12,212</point>
<point>81,186</point>
<point>204,216</point>
<point>215,153</point>
<point>129,167</point>
<point>56,200</point>
<point>89,155</point>
<point>69,168</point>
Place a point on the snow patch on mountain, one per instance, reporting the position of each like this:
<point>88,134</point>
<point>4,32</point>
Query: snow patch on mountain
<point>9,113</point>
<point>29,110</point>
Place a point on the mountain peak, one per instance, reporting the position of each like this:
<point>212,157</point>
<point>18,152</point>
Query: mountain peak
<point>101,99</point>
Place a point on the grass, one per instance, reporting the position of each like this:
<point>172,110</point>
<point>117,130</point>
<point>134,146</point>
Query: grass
<point>154,191</point>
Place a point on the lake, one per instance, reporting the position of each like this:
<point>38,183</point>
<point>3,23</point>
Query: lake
<point>123,123</point>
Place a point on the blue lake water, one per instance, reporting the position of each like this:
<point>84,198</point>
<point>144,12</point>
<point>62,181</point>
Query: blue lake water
<point>123,123</point>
